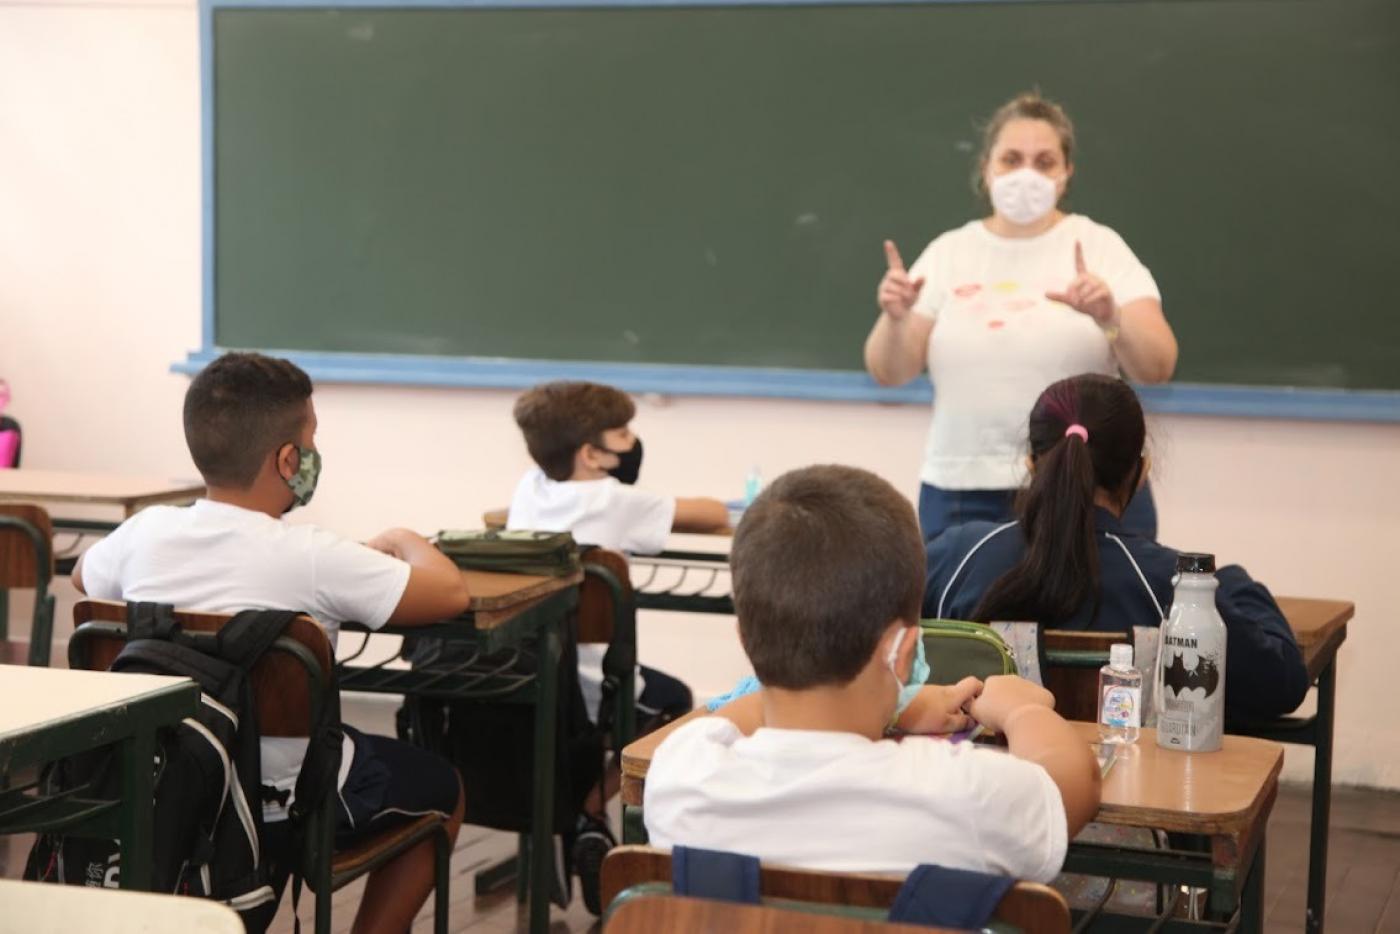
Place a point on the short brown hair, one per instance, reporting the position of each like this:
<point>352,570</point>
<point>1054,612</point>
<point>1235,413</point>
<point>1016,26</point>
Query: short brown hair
<point>823,561</point>
<point>559,418</point>
<point>1027,106</point>
<point>238,410</point>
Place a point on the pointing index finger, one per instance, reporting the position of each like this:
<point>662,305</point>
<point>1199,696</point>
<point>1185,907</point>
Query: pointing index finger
<point>892,257</point>
<point>1079,257</point>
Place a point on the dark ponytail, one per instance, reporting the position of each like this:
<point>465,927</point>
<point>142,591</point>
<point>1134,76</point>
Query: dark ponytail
<point>1086,434</point>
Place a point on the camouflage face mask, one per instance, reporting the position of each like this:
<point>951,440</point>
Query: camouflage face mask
<point>303,482</point>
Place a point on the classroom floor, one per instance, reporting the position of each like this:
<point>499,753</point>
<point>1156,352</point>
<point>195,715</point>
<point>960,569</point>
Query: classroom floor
<point>1363,875</point>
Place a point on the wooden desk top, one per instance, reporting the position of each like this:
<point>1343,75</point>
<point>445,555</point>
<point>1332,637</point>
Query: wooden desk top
<point>44,908</point>
<point>1205,793</point>
<point>62,486</point>
<point>651,913</point>
<point>33,698</point>
<point>1320,626</point>
<point>498,597</point>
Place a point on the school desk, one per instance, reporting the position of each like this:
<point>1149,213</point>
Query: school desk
<point>1225,796</point>
<point>647,914</point>
<point>128,493</point>
<point>40,908</point>
<point>49,713</point>
<point>519,613</point>
<point>1320,626</point>
<point>71,488</point>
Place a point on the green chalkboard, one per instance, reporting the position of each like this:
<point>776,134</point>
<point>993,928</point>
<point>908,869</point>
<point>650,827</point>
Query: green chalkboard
<point>710,185</point>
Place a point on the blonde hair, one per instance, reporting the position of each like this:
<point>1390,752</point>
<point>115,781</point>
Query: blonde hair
<point>1027,106</point>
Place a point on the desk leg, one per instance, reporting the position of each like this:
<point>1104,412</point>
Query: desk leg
<point>1252,898</point>
<point>542,833</point>
<point>4,614</point>
<point>1321,797</point>
<point>137,756</point>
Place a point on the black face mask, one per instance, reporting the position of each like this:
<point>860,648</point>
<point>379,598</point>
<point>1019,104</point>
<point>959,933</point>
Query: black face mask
<point>629,463</point>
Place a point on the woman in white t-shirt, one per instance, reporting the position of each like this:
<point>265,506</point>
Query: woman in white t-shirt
<point>1021,299</point>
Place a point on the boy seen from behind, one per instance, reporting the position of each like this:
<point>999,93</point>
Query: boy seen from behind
<point>251,430</point>
<point>828,569</point>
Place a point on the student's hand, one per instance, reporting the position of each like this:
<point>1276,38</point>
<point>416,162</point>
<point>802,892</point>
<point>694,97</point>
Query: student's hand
<point>397,543</point>
<point>1087,293</point>
<point>897,292</point>
<point>939,708</point>
<point>1003,695</point>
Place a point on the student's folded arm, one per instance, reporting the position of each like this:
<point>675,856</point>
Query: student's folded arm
<point>1265,675</point>
<point>1040,735</point>
<point>700,514</point>
<point>436,589</point>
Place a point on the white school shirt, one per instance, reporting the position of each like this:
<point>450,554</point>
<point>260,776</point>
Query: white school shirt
<point>606,513</point>
<point>998,341</point>
<point>841,803</point>
<point>220,558</point>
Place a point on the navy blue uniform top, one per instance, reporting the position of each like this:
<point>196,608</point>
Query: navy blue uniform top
<point>1265,676</point>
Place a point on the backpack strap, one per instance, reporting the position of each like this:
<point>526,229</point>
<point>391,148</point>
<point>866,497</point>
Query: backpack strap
<point>244,639</point>
<point>730,877</point>
<point>146,620</point>
<point>949,898</point>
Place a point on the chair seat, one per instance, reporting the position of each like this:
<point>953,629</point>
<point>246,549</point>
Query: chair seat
<point>351,863</point>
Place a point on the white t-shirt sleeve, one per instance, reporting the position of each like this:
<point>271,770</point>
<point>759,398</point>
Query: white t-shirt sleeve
<point>353,582</point>
<point>1016,815</point>
<point>103,562</point>
<point>1111,259</point>
<point>933,266</point>
<point>642,520</point>
<point>674,798</point>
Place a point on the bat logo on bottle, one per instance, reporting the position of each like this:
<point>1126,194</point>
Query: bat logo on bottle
<point>1205,676</point>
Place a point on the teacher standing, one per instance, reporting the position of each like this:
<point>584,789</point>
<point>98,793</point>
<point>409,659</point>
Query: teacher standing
<point>1005,305</point>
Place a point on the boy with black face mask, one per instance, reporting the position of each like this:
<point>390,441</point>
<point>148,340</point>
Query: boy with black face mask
<point>580,436</point>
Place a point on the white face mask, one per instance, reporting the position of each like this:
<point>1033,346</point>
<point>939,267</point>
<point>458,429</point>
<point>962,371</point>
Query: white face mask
<point>1023,196</point>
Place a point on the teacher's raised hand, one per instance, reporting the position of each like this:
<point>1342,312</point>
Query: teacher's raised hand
<point>1087,293</point>
<point>897,292</point>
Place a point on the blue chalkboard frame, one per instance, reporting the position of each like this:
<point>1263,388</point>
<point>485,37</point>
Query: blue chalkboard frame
<point>833,385</point>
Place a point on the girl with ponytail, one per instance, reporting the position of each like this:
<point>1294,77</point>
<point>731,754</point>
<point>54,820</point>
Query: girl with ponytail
<point>1068,562</point>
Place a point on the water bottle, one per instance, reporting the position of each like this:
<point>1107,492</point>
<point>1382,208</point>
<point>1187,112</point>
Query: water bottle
<point>753,485</point>
<point>1190,679</point>
<point>1120,697</point>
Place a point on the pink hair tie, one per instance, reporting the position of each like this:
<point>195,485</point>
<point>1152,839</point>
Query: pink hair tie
<point>1077,429</point>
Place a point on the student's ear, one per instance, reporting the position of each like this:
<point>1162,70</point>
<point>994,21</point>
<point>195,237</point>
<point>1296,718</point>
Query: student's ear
<point>286,461</point>
<point>904,655</point>
<point>1030,465</point>
<point>1146,470</point>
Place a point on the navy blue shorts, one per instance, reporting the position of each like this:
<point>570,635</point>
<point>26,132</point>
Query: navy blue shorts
<point>390,782</point>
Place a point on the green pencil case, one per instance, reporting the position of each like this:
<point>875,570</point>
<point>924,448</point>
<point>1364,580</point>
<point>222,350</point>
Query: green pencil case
<point>518,552</point>
<point>956,649</point>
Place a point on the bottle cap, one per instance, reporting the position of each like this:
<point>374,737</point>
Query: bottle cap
<point>1195,562</point>
<point>1121,655</point>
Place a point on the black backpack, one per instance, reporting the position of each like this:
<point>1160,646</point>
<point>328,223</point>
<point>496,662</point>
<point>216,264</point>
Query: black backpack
<point>207,838</point>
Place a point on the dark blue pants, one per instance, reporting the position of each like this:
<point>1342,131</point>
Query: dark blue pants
<point>941,509</point>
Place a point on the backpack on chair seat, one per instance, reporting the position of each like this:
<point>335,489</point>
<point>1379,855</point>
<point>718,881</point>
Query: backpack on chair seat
<point>208,778</point>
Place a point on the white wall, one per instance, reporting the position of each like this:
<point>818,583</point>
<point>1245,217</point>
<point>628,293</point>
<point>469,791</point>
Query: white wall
<point>99,294</point>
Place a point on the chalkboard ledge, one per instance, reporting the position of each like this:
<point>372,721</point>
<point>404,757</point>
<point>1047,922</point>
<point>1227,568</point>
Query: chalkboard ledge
<point>825,385</point>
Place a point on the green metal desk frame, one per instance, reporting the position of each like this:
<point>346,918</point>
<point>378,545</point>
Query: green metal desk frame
<point>131,726</point>
<point>539,628</point>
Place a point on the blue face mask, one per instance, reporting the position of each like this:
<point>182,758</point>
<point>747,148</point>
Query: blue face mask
<point>918,672</point>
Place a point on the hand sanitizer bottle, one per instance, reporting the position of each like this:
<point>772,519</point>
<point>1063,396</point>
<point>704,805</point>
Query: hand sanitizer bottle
<point>1120,697</point>
<point>1190,678</point>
